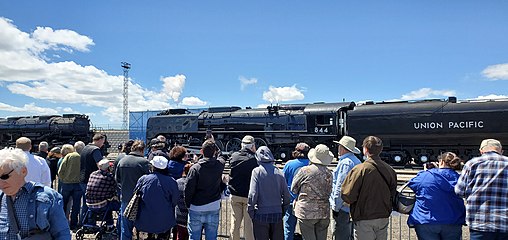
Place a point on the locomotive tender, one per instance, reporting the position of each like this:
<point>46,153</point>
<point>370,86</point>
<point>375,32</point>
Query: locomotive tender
<point>416,131</point>
<point>54,129</point>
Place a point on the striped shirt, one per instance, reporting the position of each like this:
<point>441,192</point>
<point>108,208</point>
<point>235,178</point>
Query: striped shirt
<point>484,184</point>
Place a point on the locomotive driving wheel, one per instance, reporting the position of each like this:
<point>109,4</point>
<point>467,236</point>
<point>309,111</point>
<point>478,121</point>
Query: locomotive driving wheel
<point>233,145</point>
<point>260,142</point>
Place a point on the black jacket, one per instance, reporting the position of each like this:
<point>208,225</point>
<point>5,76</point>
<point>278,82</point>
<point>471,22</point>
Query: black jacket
<point>242,164</point>
<point>90,156</point>
<point>204,182</point>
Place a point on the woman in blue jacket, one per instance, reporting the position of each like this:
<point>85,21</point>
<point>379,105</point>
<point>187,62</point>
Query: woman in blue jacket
<point>438,212</point>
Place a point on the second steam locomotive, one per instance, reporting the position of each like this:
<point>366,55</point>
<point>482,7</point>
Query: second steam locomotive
<point>416,131</point>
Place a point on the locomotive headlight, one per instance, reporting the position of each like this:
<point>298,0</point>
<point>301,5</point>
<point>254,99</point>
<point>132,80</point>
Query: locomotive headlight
<point>397,158</point>
<point>283,155</point>
<point>424,159</point>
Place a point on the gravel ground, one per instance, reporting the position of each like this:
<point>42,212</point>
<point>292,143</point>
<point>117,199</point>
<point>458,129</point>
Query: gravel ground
<point>398,228</point>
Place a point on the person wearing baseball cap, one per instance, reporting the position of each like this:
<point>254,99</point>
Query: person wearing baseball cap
<point>242,163</point>
<point>342,227</point>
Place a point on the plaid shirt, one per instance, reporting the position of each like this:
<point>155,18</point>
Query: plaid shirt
<point>101,187</point>
<point>484,184</point>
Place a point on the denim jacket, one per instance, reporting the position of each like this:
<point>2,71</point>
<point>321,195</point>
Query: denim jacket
<point>44,211</point>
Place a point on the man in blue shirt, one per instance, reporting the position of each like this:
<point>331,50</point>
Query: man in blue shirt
<point>290,170</point>
<point>342,226</point>
<point>36,208</point>
<point>484,183</point>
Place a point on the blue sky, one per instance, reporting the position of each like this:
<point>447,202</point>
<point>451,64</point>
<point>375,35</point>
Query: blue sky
<point>64,56</point>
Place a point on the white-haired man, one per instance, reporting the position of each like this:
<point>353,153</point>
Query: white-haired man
<point>38,169</point>
<point>484,183</point>
<point>28,208</point>
<point>43,150</point>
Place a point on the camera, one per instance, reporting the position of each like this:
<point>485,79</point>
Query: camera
<point>430,165</point>
<point>208,134</point>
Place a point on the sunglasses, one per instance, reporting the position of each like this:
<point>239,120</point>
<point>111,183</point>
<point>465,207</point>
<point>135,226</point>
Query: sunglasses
<point>6,176</point>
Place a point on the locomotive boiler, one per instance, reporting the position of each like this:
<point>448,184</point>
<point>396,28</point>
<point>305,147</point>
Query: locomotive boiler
<point>54,129</point>
<point>412,131</point>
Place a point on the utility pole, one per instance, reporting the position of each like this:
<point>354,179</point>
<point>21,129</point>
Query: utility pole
<point>126,66</point>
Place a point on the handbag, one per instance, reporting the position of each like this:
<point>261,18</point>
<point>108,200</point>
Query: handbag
<point>401,202</point>
<point>36,234</point>
<point>132,208</point>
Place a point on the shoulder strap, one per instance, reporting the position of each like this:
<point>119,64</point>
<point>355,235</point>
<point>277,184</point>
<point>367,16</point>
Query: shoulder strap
<point>384,178</point>
<point>12,214</point>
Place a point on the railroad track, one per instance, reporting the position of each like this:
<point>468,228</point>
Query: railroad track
<point>404,174</point>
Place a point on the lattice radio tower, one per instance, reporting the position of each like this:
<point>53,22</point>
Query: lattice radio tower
<point>126,66</point>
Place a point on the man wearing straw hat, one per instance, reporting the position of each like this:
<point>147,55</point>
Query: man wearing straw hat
<point>342,227</point>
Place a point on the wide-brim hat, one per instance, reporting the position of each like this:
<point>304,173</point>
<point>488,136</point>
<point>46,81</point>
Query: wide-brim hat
<point>320,155</point>
<point>349,143</point>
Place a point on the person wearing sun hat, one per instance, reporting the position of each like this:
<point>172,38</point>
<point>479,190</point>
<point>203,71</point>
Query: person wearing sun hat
<point>342,227</point>
<point>313,185</point>
<point>160,195</point>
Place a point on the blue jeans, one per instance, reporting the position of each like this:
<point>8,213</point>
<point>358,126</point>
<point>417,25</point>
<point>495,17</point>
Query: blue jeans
<point>342,226</point>
<point>74,191</point>
<point>289,223</point>
<point>477,235</point>
<point>127,225</point>
<point>438,231</point>
<point>198,220</point>
<point>84,208</point>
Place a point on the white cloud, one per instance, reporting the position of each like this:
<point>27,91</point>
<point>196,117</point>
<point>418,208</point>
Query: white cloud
<point>244,82</point>
<point>193,101</point>
<point>64,37</point>
<point>492,96</point>
<point>496,72</point>
<point>263,105</point>
<point>424,93</point>
<point>28,108</point>
<point>28,73</point>
<point>173,86</point>
<point>283,94</point>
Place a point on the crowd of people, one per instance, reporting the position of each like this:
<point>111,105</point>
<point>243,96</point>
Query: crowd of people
<point>177,195</point>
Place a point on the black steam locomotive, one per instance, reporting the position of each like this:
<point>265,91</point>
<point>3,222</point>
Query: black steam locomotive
<point>54,129</point>
<point>416,131</point>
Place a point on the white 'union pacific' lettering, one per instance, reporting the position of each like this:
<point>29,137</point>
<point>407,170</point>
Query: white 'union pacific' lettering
<point>428,125</point>
<point>466,124</point>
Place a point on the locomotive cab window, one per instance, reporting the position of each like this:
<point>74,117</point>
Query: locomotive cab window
<point>324,120</point>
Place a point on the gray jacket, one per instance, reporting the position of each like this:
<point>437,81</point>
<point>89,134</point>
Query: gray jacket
<point>129,170</point>
<point>268,192</point>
